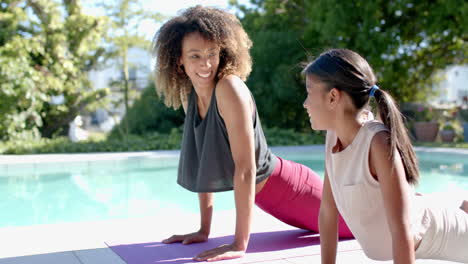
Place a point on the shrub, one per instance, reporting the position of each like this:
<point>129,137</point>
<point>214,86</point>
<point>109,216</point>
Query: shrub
<point>145,142</point>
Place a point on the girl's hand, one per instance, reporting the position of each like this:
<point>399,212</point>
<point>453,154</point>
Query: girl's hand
<point>196,237</point>
<point>220,253</point>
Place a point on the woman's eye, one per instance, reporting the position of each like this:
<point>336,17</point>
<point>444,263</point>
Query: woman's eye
<point>194,56</point>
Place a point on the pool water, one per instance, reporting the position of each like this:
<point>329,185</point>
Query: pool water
<point>47,193</point>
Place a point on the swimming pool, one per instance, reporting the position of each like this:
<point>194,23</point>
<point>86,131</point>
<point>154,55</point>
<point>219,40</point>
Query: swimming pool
<point>75,188</point>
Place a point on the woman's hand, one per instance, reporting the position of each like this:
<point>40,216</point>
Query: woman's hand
<point>223,252</point>
<point>196,237</point>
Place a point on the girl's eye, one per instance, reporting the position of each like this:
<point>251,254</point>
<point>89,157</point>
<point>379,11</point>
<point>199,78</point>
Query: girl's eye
<point>212,54</point>
<point>194,56</point>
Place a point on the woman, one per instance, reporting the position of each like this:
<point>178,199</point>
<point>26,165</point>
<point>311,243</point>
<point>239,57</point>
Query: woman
<point>202,60</point>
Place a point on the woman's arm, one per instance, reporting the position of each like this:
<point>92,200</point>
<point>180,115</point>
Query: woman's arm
<point>395,193</point>
<point>206,212</point>
<point>328,224</point>
<point>235,106</point>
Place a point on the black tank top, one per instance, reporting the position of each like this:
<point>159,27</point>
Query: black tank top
<point>206,163</point>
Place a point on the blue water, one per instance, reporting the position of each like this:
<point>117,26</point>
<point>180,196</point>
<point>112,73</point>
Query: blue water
<point>48,193</point>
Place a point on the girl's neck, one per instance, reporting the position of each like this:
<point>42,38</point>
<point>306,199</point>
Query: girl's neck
<point>346,130</point>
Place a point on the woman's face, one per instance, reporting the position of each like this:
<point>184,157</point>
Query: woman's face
<point>316,103</point>
<point>200,58</point>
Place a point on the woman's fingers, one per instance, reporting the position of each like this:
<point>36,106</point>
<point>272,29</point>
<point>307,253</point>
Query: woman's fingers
<point>186,239</point>
<point>220,253</point>
<point>226,255</point>
<point>172,239</point>
<point>190,240</point>
<point>204,254</point>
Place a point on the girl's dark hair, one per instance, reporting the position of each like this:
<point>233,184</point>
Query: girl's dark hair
<point>347,71</point>
<point>213,24</point>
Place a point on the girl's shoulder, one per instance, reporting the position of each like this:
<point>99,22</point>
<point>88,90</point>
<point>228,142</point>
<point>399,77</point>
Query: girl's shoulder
<point>375,126</point>
<point>376,132</point>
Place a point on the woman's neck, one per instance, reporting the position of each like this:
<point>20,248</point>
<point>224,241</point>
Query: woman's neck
<point>204,94</point>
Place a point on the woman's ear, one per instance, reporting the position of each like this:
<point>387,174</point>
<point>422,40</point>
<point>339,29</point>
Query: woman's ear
<point>180,66</point>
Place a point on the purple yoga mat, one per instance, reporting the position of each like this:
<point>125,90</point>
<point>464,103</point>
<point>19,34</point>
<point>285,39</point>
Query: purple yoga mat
<point>263,247</point>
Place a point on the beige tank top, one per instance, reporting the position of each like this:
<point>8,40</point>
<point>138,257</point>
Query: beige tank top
<point>358,197</point>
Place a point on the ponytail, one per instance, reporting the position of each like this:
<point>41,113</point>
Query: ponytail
<point>399,139</point>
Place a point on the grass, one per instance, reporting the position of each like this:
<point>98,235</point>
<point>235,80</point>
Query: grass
<point>463,145</point>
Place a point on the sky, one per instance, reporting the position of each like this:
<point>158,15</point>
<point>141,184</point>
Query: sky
<point>167,8</point>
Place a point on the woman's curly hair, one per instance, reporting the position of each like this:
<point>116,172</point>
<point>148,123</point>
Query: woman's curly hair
<point>213,24</point>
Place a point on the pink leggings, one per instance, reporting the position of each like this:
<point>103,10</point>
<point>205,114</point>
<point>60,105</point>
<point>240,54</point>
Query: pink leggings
<point>292,194</point>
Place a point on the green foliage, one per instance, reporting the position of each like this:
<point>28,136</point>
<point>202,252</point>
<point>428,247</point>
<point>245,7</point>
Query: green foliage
<point>149,114</point>
<point>463,114</point>
<point>45,53</point>
<point>424,113</point>
<point>462,110</point>
<point>276,81</point>
<point>150,141</point>
<point>288,137</point>
<point>145,142</point>
<point>448,126</point>
<point>405,41</point>
<point>124,17</point>
<point>463,145</point>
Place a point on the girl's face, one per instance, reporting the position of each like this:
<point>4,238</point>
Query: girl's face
<point>318,104</point>
<point>200,58</point>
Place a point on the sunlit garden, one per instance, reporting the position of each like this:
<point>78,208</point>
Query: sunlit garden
<point>89,152</point>
<point>52,51</point>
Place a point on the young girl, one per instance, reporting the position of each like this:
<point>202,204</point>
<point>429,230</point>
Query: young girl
<point>371,169</point>
<point>202,60</point>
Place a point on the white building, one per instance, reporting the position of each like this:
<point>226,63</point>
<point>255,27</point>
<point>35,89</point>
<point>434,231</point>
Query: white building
<point>139,75</point>
<point>454,86</point>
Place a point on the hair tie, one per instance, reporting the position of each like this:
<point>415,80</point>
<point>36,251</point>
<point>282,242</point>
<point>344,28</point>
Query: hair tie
<point>373,89</point>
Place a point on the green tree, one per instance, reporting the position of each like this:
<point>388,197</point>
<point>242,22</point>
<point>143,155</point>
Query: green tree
<point>406,42</point>
<point>149,114</point>
<point>125,16</point>
<point>45,53</point>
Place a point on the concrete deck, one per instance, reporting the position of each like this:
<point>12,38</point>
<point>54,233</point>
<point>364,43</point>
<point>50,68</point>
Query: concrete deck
<point>84,243</point>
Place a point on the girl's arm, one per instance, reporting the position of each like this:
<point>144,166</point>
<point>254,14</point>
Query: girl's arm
<point>328,224</point>
<point>395,193</point>
<point>236,108</point>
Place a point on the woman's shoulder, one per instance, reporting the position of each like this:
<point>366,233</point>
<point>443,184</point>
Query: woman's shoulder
<point>230,81</point>
<point>231,86</point>
<point>232,95</point>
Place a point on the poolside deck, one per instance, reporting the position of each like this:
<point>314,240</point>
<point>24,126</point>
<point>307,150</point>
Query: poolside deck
<point>85,243</point>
